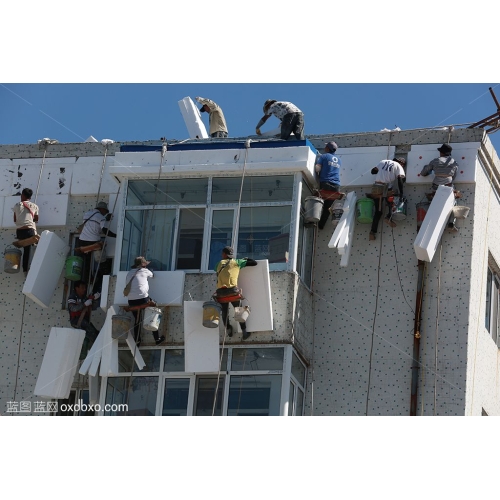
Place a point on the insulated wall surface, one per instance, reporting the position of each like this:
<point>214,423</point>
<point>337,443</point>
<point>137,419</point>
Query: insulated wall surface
<point>254,280</point>
<point>201,344</point>
<point>59,363</point>
<point>166,288</point>
<point>87,175</point>
<point>46,267</point>
<point>435,221</point>
<point>192,118</point>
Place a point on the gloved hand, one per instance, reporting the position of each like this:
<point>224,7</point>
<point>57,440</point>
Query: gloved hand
<point>109,217</point>
<point>88,302</point>
<point>96,295</point>
<point>258,131</point>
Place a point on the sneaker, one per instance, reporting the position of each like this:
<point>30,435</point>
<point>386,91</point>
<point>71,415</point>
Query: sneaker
<point>160,340</point>
<point>229,331</point>
<point>246,334</point>
<point>373,236</point>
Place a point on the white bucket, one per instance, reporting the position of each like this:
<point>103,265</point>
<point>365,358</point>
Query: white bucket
<point>241,314</point>
<point>152,317</point>
<point>337,209</point>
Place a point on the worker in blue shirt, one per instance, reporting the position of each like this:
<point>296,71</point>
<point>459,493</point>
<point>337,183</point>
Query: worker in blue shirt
<point>328,168</point>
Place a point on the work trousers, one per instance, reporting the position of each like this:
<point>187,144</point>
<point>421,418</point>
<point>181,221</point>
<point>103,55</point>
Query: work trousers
<point>293,122</point>
<point>379,210</point>
<point>224,306</point>
<point>22,234</point>
<point>327,186</point>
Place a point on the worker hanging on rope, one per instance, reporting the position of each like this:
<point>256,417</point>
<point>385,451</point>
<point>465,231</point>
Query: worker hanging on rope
<point>328,168</point>
<point>218,127</point>
<point>25,217</point>
<point>387,172</point>
<point>228,271</point>
<point>445,168</point>
<point>91,230</point>
<point>290,116</point>
<point>137,293</point>
<point>79,306</point>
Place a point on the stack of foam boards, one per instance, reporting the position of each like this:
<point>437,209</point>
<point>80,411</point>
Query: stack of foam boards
<point>166,288</point>
<point>59,363</point>
<point>342,237</point>
<point>435,221</point>
<point>201,344</point>
<point>46,267</point>
<point>192,117</point>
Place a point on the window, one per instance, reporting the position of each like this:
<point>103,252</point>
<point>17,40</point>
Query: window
<point>185,223</point>
<point>492,305</point>
<point>305,246</point>
<point>250,383</point>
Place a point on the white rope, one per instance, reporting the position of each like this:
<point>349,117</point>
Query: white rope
<point>40,176</point>
<point>102,171</point>
<point>437,328</point>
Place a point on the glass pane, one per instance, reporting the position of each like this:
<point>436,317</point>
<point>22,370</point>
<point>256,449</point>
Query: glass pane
<point>299,405</point>
<point>488,300</point>
<point>175,399</point>
<point>298,370</point>
<point>256,395</point>
<point>264,234</point>
<point>170,192</point>
<point>222,234</point>
<point>151,358</point>
<point>300,244</point>
<point>204,396</point>
<point>290,400</point>
<point>151,234</point>
<point>142,396</point>
<point>257,359</point>
<point>190,244</point>
<point>174,360</point>
<point>255,189</point>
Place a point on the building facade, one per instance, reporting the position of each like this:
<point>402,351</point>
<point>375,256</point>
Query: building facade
<point>334,328</point>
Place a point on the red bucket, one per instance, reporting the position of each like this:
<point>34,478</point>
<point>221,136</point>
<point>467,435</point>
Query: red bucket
<point>422,212</point>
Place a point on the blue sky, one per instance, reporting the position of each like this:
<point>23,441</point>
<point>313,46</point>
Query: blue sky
<point>128,112</point>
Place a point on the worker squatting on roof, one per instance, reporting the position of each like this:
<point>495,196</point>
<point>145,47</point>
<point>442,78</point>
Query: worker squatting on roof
<point>79,303</point>
<point>228,271</point>
<point>291,117</point>
<point>216,120</point>
<point>328,168</point>
<point>445,168</point>
<point>387,172</point>
<point>25,217</point>
<point>138,296</point>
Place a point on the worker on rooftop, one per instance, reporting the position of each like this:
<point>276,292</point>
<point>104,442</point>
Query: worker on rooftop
<point>328,168</point>
<point>216,120</point>
<point>445,168</point>
<point>228,271</point>
<point>291,117</point>
<point>25,217</point>
<point>387,171</point>
<point>79,306</point>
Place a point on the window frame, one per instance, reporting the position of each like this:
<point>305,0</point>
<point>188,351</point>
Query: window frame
<point>493,292</point>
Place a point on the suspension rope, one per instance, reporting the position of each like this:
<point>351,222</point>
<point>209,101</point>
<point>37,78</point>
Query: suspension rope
<point>437,328</point>
<point>41,170</point>
<point>102,170</point>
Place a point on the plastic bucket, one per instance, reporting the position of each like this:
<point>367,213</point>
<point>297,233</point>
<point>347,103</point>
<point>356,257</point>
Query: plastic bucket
<point>337,211</point>
<point>211,313</point>
<point>241,314</point>
<point>74,267</point>
<point>152,317</point>
<point>313,209</point>
<point>365,208</point>
<point>120,326</point>
<point>461,212</point>
<point>421,212</point>
<point>400,209</point>
<point>12,262</point>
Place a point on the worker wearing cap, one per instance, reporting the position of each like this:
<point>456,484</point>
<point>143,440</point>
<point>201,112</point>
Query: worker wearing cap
<point>218,127</point>
<point>138,297</point>
<point>94,226</point>
<point>328,168</point>
<point>25,217</point>
<point>445,168</point>
<point>291,117</point>
<point>228,271</point>
<point>387,172</point>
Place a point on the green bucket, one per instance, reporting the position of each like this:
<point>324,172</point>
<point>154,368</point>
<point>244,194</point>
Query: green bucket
<point>365,208</point>
<point>74,268</point>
